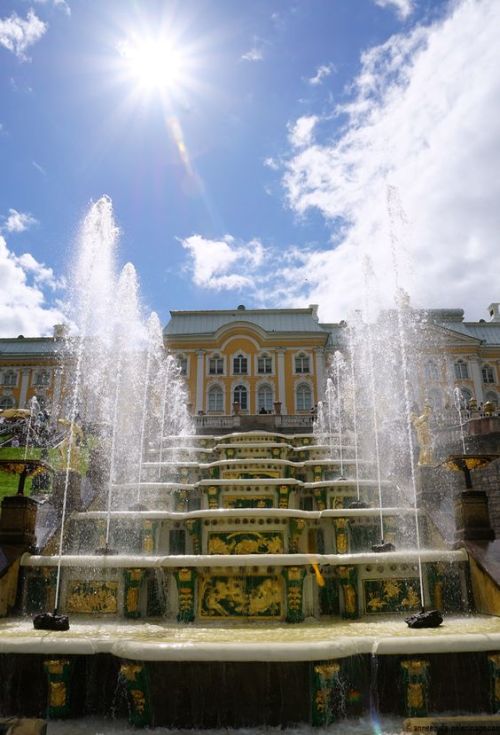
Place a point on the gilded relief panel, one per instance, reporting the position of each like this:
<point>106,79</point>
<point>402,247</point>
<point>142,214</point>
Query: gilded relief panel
<point>391,595</point>
<point>92,596</point>
<point>242,501</point>
<point>228,596</point>
<point>251,542</point>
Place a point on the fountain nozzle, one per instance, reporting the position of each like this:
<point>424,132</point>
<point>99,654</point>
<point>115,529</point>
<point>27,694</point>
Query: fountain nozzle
<point>383,546</point>
<point>423,619</point>
<point>51,621</point>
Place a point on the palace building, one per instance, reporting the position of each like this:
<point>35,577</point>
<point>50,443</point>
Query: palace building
<point>252,362</point>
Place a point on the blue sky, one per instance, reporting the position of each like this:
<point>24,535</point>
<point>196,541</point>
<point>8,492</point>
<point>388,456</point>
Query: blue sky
<point>260,173</point>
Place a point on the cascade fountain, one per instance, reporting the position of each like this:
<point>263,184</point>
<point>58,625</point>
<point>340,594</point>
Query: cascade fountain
<point>243,587</point>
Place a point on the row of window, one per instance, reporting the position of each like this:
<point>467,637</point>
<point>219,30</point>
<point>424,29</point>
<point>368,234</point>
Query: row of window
<point>265,398</point>
<point>9,378</point>
<point>461,370</point>
<point>436,399</point>
<point>240,364</point>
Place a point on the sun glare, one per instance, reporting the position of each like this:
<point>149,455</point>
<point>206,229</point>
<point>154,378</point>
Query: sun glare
<point>154,63</point>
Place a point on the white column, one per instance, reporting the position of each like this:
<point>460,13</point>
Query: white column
<point>280,359</point>
<point>477,379</point>
<point>200,375</point>
<point>25,379</point>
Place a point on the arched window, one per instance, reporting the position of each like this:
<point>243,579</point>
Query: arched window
<point>240,396</point>
<point>182,364</point>
<point>461,370</point>
<point>216,365</point>
<point>7,402</point>
<point>215,399</point>
<point>10,378</point>
<point>491,397</point>
<point>431,370</point>
<point>488,374</point>
<point>302,363</point>
<point>303,397</point>
<point>264,364</point>
<point>265,399</point>
<point>240,365</point>
<point>42,377</point>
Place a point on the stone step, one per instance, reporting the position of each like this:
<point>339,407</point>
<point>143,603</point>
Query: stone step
<point>458,725</point>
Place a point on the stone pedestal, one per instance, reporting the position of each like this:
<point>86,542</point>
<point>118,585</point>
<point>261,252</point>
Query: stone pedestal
<point>58,674</point>
<point>327,699</point>
<point>135,677</point>
<point>472,517</point>
<point>18,519</point>
<point>416,687</point>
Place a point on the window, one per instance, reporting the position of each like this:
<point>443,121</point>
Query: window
<point>466,395</point>
<point>240,365</point>
<point>265,399</point>
<point>303,397</point>
<point>240,396</point>
<point>183,364</point>
<point>431,370</point>
<point>264,365</point>
<point>302,363</point>
<point>488,374</point>
<point>461,370</point>
<point>7,402</point>
<point>216,365</point>
<point>10,378</point>
<point>42,377</point>
<point>215,399</point>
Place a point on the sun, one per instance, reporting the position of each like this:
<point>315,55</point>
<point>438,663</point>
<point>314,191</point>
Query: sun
<point>154,64</point>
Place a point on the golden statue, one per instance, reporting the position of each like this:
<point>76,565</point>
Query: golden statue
<point>424,437</point>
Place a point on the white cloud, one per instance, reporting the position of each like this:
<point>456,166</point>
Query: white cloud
<point>255,54</point>
<point>423,118</point>
<point>23,301</point>
<point>404,8</point>
<point>301,132</point>
<point>271,163</point>
<point>322,72</point>
<point>17,35</point>
<point>224,264</point>
<point>61,4</point>
<point>18,221</point>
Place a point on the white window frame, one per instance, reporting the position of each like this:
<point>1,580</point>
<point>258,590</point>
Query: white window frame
<point>210,390</point>
<point>260,387</point>
<point>487,372</point>
<point>7,374</point>
<point>431,371</point>
<point>240,355</point>
<point>244,385</point>
<point>303,384</point>
<point>300,356</point>
<point>264,356</point>
<point>216,356</point>
<point>460,367</point>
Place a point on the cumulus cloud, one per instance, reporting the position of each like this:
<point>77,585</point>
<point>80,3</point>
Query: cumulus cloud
<point>24,306</point>
<point>17,34</point>
<point>421,123</point>
<point>322,72</point>
<point>403,8</point>
<point>301,132</point>
<point>255,54</point>
<point>18,221</point>
<point>224,264</point>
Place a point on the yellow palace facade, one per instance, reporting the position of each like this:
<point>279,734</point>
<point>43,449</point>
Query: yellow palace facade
<point>273,361</point>
<point>250,361</point>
